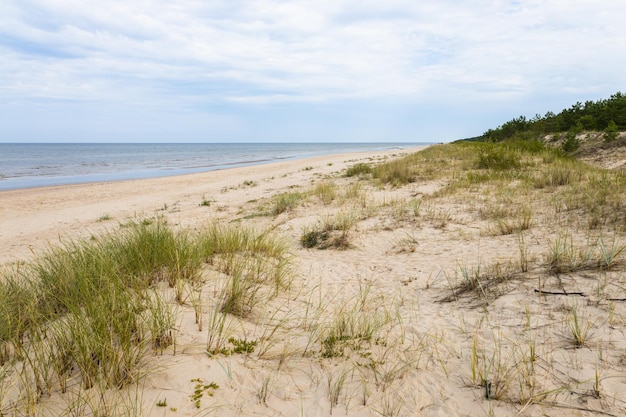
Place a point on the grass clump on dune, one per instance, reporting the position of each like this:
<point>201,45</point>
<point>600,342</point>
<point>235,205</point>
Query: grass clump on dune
<point>332,233</point>
<point>285,202</point>
<point>84,306</point>
<point>255,264</point>
<point>91,311</point>
<point>498,157</point>
<point>358,170</point>
<point>434,162</point>
<point>580,190</point>
<point>326,191</point>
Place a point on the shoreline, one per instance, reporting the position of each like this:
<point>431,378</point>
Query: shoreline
<point>104,164</point>
<point>31,218</point>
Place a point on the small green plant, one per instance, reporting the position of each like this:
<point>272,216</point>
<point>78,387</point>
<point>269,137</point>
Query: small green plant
<point>205,202</point>
<point>326,191</point>
<point>578,329</point>
<point>335,382</point>
<point>263,390</point>
<point>162,403</point>
<point>493,370</point>
<point>200,389</point>
<point>218,330</point>
<point>596,380</point>
<point>312,237</point>
<point>480,280</point>
<point>564,256</point>
<point>571,144</point>
<point>555,175</point>
<point>239,346</point>
<point>355,324</point>
<point>471,279</point>
<point>285,201</point>
<point>331,233</point>
<point>509,226</point>
<point>104,218</point>
<point>161,320</point>
<point>523,252</point>
<point>416,205</point>
<point>609,255</point>
<point>240,294</point>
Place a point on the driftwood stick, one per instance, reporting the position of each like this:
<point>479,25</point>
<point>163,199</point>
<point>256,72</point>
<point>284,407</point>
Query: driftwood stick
<point>560,293</point>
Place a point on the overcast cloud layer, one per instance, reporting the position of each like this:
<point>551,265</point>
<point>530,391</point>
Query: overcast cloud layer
<point>270,70</point>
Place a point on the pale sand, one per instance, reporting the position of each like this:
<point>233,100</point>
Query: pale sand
<point>31,218</point>
<point>421,366</point>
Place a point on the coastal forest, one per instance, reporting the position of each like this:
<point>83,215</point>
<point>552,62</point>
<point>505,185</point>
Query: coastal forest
<point>606,115</point>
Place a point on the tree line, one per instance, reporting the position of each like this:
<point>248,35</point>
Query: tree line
<point>608,115</point>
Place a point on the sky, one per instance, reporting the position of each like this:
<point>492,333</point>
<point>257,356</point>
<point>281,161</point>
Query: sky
<point>298,70</point>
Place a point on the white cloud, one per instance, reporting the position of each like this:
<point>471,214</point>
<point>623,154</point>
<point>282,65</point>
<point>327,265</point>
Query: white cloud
<point>153,52</point>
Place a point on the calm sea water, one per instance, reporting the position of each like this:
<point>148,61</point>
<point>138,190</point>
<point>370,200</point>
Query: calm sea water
<point>37,165</point>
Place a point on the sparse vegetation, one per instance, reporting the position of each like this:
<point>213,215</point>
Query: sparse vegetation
<point>326,191</point>
<point>331,233</point>
<point>200,388</point>
<point>104,218</point>
<point>359,169</point>
<point>285,201</point>
<point>498,157</point>
<point>579,329</point>
<point>493,269</point>
<point>91,309</point>
<point>205,202</point>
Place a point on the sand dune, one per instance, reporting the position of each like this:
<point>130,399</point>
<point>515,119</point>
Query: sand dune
<point>438,347</point>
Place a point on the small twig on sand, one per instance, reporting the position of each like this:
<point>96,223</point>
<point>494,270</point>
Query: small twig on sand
<point>559,293</point>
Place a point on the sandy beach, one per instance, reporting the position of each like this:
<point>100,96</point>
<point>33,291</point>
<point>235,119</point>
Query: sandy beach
<point>438,347</point>
<point>31,218</point>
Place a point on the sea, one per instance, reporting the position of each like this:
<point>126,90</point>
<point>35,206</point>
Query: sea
<point>29,165</point>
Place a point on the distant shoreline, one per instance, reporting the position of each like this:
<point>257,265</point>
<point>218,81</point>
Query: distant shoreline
<point>120,162</point>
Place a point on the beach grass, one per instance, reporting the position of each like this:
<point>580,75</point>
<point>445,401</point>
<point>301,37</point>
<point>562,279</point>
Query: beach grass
<point>491,271</point>
<point>94,309</point>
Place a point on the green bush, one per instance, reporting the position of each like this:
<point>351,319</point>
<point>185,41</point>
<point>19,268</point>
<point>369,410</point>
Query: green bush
<point>571,144</point>
<point>610,133</point>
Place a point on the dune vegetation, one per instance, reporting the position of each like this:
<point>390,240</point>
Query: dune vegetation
<point>479,278</point>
